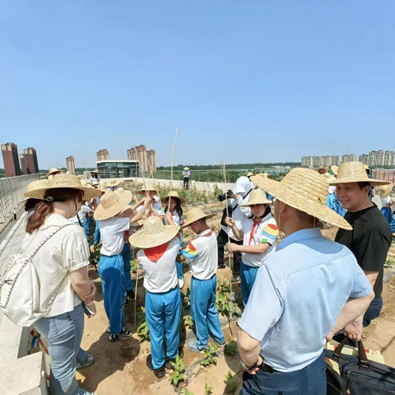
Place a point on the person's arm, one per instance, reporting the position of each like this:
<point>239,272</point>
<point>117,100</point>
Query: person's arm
<point>140,213</point>
<point>188,254</point>
<point>237,232</point>
<point>372,277</point>
<point>258,249</point>
<point>129,211</point>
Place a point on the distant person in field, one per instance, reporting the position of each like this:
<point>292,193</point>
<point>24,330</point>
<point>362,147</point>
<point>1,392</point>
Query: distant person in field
<point>386,201</point>
<point>186,174</point>
<point>370,238</point>
<point>53,172</point>
<point>321,170</point>
<point>332,201</point>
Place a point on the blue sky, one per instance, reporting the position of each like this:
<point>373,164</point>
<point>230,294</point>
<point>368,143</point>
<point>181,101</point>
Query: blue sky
<point>244,81</point>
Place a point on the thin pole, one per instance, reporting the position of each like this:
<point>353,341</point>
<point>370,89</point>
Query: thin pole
<point>227,215</point>
<point>172,166</point>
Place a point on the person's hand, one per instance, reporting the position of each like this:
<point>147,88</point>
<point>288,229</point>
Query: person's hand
<point>92,308</point>
<point>91,296</point>
<point>354,330</point>
<point>229,221</point>
<point>232,247</point>
<point>169,218</point>
<point>254,370</point>
<point>233,195</point>
<point>92,248</point>
<point>148,200</point>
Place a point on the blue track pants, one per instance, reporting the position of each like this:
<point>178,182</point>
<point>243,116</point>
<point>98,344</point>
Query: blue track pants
<point>127,256</point>
<point>247,276</point>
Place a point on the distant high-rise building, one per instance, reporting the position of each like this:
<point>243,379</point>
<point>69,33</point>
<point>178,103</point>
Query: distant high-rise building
<point>11,159</point>
<point>70,164</point>
<point>102,155</point>
<point>29,163</point>
<point>152,160</point>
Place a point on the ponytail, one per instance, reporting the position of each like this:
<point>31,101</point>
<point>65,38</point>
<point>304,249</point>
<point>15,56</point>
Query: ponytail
<point>41,212</point>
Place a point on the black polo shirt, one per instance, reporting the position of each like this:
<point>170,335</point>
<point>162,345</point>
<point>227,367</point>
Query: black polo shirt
<point>369,241</point>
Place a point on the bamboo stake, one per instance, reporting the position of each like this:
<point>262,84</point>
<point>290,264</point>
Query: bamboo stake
<point>172,159</point>
<point>227,215</point>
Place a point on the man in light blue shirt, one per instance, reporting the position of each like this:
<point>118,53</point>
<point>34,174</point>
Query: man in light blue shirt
<point>307,290</point>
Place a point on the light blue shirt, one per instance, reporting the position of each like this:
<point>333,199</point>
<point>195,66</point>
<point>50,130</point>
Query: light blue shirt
<point>297,297</point>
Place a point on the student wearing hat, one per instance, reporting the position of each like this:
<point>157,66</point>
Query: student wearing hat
<point>159,245</point>
<point>61,265</point>
<point>113,184</point>
<point>30,203</point>
<point>114,215</point>
<point>321,170</point>
<point>332,201</point>
<point>202,257</point>
<point>259,236</point>
<point>386,201</point>
<point>149,189</point>
<point>186,174</point>
<point>173,204</point>
<point>371,236</point>
<point>53,172</point>
<point>294,305</point>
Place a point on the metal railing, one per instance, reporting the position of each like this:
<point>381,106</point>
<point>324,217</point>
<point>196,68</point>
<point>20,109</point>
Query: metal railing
<point>11,194</point>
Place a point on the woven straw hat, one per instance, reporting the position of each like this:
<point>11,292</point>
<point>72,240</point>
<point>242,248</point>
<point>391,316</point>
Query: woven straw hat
<point>111,204</point>
<point>334,169</point>
<point>186,168</point>
<point>60,181</point>
<point>95,183</point>
<point>150,186</point>
<point>153,233</point>
<point>257,196</point>
<point>386,190</point>
<point>306,190</point>
<point>194,215</point>
<point>52,171</point>
<point>173,194</point>
<point>329,177</point>
<point>321,168</point>
<point>113,183</point>
<point>249,174</point>
<point>355,172</point>
<point>39,184</point>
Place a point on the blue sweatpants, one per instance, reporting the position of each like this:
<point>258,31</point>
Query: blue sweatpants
<point>204,312</point>
<point>163,314</point>
<point>387,213</point>
<point>126,256</point>
<point>179,266</point>
<point>96,240</point>
<point>247,276</point>
<point>112,278</point>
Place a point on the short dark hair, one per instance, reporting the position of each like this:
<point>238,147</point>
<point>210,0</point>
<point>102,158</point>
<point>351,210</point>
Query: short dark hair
<point>363,184</point>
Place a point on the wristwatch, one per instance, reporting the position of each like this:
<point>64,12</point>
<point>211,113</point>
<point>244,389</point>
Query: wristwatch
<point>247,368</point>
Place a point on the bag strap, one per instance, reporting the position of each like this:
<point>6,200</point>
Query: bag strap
<point>362,357</point>
<point>234,208</point>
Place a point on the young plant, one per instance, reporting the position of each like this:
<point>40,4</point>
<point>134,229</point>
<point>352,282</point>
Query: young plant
<point>231,385</point>
<point>231,348</point>
<point>225,305</point>
<point>187,392</point>
<point>142,330</point>
<point>186,298</point>
<point>207,389</point>
<point>210,353</point>
<point>178,374</point>
<point>188,320</point>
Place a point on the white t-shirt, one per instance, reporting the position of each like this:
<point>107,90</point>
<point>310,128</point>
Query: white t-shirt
<point>160,275</point>
<point>112,235</point>
<point>65,252</point>
<point>85,209</point>
<point>385,201</point>
<point>264,232</point>
<point>186,173</point>
<point>240,214</point>
<point>202,255</point>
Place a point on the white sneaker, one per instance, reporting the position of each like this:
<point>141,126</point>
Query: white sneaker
<point>180,282</point>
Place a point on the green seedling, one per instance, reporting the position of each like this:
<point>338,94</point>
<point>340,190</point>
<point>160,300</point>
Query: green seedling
<point>188,321</point>
<point>207,389</point>
<point>231,348</point>
<point>231,385</point>
<point>142,330</point>
<point>186,298</point>
<point>211,353</point>
<point>187,392</point>
<point>178,374</point>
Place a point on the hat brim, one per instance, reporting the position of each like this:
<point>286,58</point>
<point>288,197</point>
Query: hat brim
<point>187,223</point>
<point>166,198</point>
<point>142,240</point>
<point>314,208</point>
<point>347,180</point>
<point>101,214</point>
<point>89,193</point>
<point>142,191</point>
<point>255,203</point>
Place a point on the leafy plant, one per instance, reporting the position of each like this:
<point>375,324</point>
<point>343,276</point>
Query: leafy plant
<point>142,330</point>
<point>207,389</point>
<point>133,266</point>
<point>188,321</point>
<point>187,392</point>
<point>231,385</point>
<point>178,374</point>
<point>231,348</point>
<point>225,305</point>
<point>186,298</point>
<point>210,353</point>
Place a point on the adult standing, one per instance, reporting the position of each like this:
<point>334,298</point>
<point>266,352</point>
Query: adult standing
<point>370,238</point>
<point>294,304</point>
<point>186,175</point>
<point>53,172</point>
<point>386,201</point>
<point>61,264</point>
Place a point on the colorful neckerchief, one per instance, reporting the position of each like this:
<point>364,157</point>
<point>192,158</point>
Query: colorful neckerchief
<point>155,253</point>
<point>254,229</point>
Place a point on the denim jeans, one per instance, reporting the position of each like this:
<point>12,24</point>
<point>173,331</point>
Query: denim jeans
<point>310,380</point>
<point>64,334</point>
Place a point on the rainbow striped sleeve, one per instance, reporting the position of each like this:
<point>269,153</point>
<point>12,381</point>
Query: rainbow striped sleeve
<point>269,234</point>
<point>190,252</point>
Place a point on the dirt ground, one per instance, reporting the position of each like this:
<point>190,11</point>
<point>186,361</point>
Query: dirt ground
<point>120,368</point>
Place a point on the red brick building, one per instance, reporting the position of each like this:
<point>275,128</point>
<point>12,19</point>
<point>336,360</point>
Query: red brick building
<point>29,163</point>
<point>11,159</point>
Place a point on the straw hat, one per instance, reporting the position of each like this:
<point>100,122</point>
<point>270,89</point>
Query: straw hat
<point>386,190</point>
<point>52,171</point>
<point>60,181</point>
<point>257,196</point>
<point>355,172</point>
<point>140,222</point>
<point>33,186</point>
<point>329,177</point>
<point>249,174</point>
<point>186,168</point>
<point>306,190</point>
<point>173,194</point>
<point>113,183</point>
<point>194,215</point>
<point>95,183</point>
<point>322,168</point>
<point>153,233</point>
<point>111,204</point>
<point>334,169</point>
<point>150,186</point>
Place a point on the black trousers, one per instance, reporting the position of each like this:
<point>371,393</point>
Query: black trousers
<point>186,182</point>
<point>222,239</point>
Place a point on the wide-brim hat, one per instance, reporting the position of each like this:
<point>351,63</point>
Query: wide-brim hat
<point>61,181</point>
<point>321,168</point>
<point>113,183</point>
<point>386,190</point>
<point>34,185</point>
<point>173,194</point>
<point>329,177</point>
<point>249,174</point>
<point>305,190</point>
<point>186,168</point>
<point>355,172</point>
<point>111,204</point>
<point>95,183</point>
<point>194,215</point>
<point>153,233</point>
<point>334,169</point>
<point>149,186</point>
<point>52,171</point>
<point>140,222</point>
<point>257,196</point>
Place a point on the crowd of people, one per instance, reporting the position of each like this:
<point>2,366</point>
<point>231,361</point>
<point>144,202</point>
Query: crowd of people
<point>298,293</point>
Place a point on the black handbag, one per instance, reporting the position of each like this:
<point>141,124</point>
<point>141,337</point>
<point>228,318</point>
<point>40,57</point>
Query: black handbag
<point>363,377</point>
<point>335,385</point>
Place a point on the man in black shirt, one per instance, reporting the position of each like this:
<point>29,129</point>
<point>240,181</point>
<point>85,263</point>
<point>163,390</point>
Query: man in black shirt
<point>371,236</point>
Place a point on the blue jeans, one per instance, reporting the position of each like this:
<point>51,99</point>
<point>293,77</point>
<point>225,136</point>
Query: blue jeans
<point>112,279</point>
<point>64,334</point>
<point>310,380</point>
<point>163,314</point>
<point>204,312</point>
<point>127,256</point>
<point>247,276</point>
